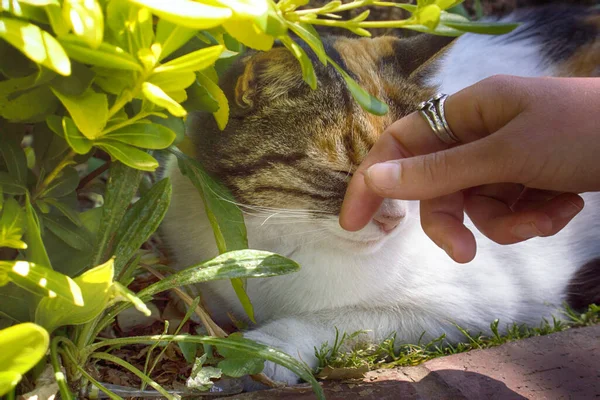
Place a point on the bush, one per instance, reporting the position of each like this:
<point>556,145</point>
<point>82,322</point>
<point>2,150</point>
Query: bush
<point>95,87</point>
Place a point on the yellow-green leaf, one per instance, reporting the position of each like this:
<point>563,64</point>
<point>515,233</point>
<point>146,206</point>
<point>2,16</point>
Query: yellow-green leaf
<point>187,13</point>
<point>36,251</point>
<point>89,111</point>
<point>362,97</point>
<point>170,37</point>
<point>174,80</point>
<point>308,71</point>
<point>42,280</point>
<point>429,16</point>
<point>87,20</point>
<point>194,61</point>
<point>145,135</point>
<point>308,33</point>
<point>38,45</point>
<point>222,114</point>
<point>248,33</point>
<point>23,346</point>
<point>95,285</point>
<point>11,225</point>
<point>106,55</point>
<point>79,143</point>
<point>158,96</point>
<point>128,155</point>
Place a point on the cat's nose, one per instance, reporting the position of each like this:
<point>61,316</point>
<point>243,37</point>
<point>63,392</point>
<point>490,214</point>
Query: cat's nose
<point>386,222</point>
<point>389,215</point>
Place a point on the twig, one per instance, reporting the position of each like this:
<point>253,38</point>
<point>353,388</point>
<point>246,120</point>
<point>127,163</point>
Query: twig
<point>93,175</point>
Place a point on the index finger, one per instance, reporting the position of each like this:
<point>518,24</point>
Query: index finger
<point>472,113</point>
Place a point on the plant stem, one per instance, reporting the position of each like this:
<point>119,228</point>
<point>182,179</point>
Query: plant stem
<point>353,25</point>
<point>343,7</point>
<point>135,371</point>
<point>11,394</point>
<point>65,162</point>
<point>93,175</point>
<point>128,122</point>
<point>90,378</point>
<point>65,392</point>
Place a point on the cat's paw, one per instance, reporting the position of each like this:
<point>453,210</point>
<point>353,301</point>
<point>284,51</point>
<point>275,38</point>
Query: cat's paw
<point>275,371</point>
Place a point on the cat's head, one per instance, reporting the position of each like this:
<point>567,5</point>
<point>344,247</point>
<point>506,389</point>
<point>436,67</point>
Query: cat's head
<point>288,152</point>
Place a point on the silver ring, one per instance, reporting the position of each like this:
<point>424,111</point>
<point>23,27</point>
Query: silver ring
<point>433,112</point>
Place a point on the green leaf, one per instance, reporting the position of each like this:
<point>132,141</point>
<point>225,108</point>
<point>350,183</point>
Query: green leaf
<point>106,55</point>
<point>14,157</point>
<point>95,285</point>
<point>239,286</point>
<point>128,155</point>
<point>362,97</point>
<point>76,237</point>
<point>36,251</point>
<point>77,83</point>
<point>121,293</point>
<point>187,13</point>
<point>230,265</point>
<point>36,44</point>
<point>145,135</point>
<point>308,33</point>
<point>66,259</point>
<point>64,184</point>
<point>237,364</point>
<point>117,20</point>
<point>194,61</point>
<point>66,210</point>
<point>157,96</point>
<point>308,71</point>
<point>23,346</point>
<point>200,378</point>
<point>174,124</point>
<point>171,37</point>
<point>189,351</point>
<point>11,225</point>
<point>141,221</point>
<point>489,28</point>
<point>113,81</point>
<point>199,99</point>
<point>225,217</point>
<point>122,186</point>
<point>222,114</point>
<point>30,106</point>
<point>174,80</point>
<point>89,111</point>
<point>42,280</point>
<point>87,20</point>
<point>79,143</point>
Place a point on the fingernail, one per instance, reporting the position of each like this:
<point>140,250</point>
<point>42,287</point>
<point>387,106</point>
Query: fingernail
<point>384,175</point>
<point>526,231</point>
<point>568,210</point>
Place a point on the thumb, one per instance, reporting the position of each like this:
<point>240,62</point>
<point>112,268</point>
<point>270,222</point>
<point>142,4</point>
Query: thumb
<point>485,161</point>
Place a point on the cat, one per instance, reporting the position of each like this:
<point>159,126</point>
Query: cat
<point>288,153</point>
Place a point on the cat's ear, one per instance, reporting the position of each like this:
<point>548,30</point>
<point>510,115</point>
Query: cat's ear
<point>265,76</point>
<point>415,56</point>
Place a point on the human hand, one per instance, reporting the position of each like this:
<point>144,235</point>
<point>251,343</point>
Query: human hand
<point>528,145</point>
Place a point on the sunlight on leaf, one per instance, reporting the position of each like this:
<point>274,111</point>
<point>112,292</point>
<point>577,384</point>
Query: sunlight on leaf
<point>187,13</point>
<point>36,44</point>
<point>95,287</point>
<point>23,346</point>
